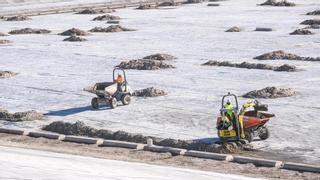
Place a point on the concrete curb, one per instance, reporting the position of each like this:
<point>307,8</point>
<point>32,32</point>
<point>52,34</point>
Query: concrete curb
<point>174,151</point>
<point>257,161</point>
<point>129,145</point>
<point>12,131</point>
<point>79,139</point>
<point>207,155</point>
<point>44,135</point>
<point>301,167</point>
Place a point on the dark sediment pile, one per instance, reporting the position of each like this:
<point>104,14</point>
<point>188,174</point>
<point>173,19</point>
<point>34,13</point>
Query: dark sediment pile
<point>7,74</point>
<point>106,17</point>
<point>20,116</point>
<point>4,41</point>
<point>213,4</point>
<point>80,129</point>
<point>276,3</point>
<point>316,12</point>
<point>311,22</point>
<point>112,28</point>
<point>149,92</point>
<point>75,39</point>
<point>195,1</point>
<point>74,32</point>
<point>146,6</point>
<point>160,57</point>
<point>168,3</point>
<point>285,67</point>
<point>17,18</point>
<point>95,11</point>
<point>301,32</point>
<point>278,55</point>
<point>263,29</point>
<point>113,22</point>
<point>30,31</point>
<point>233,29</point>
<point>270,92</point>
<point>144,64</point>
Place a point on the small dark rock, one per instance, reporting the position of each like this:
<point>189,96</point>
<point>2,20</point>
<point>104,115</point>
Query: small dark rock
<point>233,29</point>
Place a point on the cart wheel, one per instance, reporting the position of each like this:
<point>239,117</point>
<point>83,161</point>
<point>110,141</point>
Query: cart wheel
<point>248,136</point>
<point>113,103</point>
<point>95,103</point>
<point>265,134</point>
<point>126,99</point>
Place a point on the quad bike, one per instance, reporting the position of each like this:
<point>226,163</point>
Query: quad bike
<point>244,124</point>
<point>111,92</point>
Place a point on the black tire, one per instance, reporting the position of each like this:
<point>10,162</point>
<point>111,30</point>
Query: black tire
<point>248,136</point>
<point>95,103</point>
<point>265,135</point>
<point>126,99</point>
<point>113,103</point>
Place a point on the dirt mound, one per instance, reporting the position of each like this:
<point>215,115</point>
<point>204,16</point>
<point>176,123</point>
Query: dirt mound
<point>75,39</point>
<point>146,6</point>
<point>160,57</point>
<point>106,17</point>
<point>112,28</point>
<point>213,4</point>
<point>274,55</point>
<point>3,34</point>
<point>7,74</point>
<point>301,32</point>
<point>95,11</point>
<point>17,18</point>
<point>263,29</point>
<point>285,67</point>
<point>79,128</point>
<point>270,92</point>
<point>168,3</point>
<point>276,3</point>
<point>20,116</point>
<point>316,12</point>
<point>113,22</point>
<point>30,31</point>
<point>74,32</point>
<point>278,55</point>
<point>144,64</point>
<point>311,22</point>
<point>4,41</point>
<point>149,92</point>
<point>233,29</point>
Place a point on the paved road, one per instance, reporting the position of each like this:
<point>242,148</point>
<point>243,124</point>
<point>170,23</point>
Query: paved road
<point>19,163</point>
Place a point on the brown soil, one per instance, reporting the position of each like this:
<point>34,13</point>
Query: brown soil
<point>160,57</point>
<point>149,92</point>
<point>277,3</point>
<point>106,17</point>
<point>285,67</point>
<point>17,18</point>
<point>30,31</point>
<point>74,32</point>
<point>20,116</point>
<point>165,159</point>
<point>95,11</point>
<point>144,64</point>
<point>233,29</point>
<point>270,92</point>
<point>6,74</point>
<point>79,128</point>
<point>75,39</point>
<point>4,41</point>
<point>301,32</point>
<point>112,28</point>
